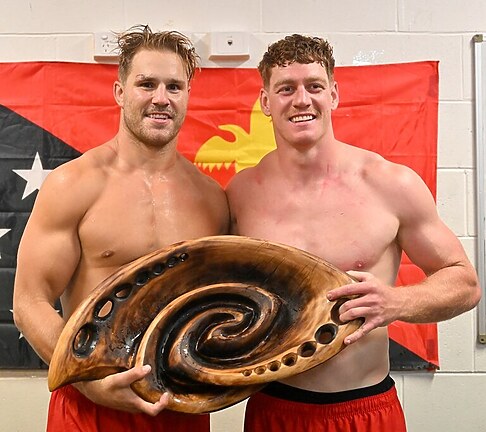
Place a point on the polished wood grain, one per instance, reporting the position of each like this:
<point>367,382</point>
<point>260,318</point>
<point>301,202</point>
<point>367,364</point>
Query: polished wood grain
<point>217,318</point>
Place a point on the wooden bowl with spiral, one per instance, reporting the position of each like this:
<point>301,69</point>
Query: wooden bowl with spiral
<point>217,318</point>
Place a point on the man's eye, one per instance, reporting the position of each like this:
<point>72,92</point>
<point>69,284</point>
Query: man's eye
<point>316,87</point>
<point>173,87</point>
<point>285,90</point>
<point>147,84</point>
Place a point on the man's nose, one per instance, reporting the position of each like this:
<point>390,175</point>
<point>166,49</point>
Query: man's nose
<point>160,96</point>
<point>301,97</point>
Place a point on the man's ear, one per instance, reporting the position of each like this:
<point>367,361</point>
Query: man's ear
<point>335,95</point>
<point>264,102</point>
<point>118,93</point>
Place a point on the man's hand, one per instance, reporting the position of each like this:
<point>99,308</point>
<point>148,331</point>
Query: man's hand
<point>377,303</point>
<point>115,392</point>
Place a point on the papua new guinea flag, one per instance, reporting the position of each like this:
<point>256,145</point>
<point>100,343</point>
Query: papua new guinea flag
<point>53,112</point>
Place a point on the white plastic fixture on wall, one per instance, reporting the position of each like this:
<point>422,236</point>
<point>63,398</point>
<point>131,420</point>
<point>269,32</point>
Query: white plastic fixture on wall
<point>105,45</point>
<point>480,80</point>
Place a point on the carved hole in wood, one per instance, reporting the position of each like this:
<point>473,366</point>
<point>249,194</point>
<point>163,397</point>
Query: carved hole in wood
<point>142,277</point>
<point>326,333</point>
<point>307,349</point>
<point>122,292</point>
<point>103,309</point>
<point>260,370</point>
<point>335,311</point>
<point>85,340</point>
<point>173,261</point>
<point>184,257</point>
<point>274,366</point>
<point>289,359</point>
<point>158,269</point>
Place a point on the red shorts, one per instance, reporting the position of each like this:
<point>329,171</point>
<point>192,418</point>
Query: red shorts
<point>70,411</point>
<point>380,412</point>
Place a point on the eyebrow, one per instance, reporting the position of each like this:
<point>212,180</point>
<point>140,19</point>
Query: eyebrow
<point>309,79</point>
<point>142,77</point>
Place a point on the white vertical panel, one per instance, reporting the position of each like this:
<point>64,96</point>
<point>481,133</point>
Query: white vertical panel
<point>480,90</point>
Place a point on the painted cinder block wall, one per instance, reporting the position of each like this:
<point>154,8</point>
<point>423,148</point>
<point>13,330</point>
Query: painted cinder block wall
<point>373,31</point>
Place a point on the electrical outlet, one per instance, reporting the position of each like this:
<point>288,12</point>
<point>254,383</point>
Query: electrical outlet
<point>105,45</point>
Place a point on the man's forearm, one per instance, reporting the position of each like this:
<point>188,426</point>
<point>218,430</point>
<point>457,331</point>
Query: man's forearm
<point>41,326</point>
<point>442,295</point>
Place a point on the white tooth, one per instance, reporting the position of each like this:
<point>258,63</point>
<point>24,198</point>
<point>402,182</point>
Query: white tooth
<point>301,118</point>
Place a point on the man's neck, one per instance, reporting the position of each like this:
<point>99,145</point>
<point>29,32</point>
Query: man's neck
<point>133,153</point>
<point>311,163</point>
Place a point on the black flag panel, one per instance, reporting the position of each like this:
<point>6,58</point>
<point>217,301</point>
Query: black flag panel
<point>402,359</point>
<point>27,154</point>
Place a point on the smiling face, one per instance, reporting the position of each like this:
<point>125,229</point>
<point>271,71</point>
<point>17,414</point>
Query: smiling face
<point>153,98</point>
<point>300,98</point>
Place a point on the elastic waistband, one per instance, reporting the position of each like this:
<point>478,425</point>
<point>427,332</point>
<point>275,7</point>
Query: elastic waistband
<point>294,394</point>
<point>369,405</point>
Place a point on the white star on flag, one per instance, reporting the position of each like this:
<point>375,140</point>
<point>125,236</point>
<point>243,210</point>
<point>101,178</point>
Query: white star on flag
<point>3,231</point>
<point>34,177</point>
<point>21,335</point>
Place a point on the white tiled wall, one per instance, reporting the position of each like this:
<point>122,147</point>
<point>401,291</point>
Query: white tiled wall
<point>376,31</point>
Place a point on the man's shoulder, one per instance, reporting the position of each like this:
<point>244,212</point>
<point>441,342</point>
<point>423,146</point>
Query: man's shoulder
<point>376,167</point>
<point>397,184</point>
<point>88,163</point>
<point>198,178</point>
<point>77,177</point>
<point>242,179</point>
<point>254,175</point>
<point>387,172</point>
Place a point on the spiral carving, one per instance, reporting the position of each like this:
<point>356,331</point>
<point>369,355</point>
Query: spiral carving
<point>217,318</point>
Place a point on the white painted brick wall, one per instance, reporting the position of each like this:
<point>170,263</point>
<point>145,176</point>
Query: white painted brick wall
<point>457,340</point>
<point>311,16</point>
<point>379,31</point>
<point>451,199</point>
<point>448,402</point>
<point>456,137</point>
<point>439,16</point>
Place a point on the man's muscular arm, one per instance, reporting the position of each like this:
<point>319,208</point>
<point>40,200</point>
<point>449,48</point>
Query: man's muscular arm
<point>48,255</point>
<point>451,286</point>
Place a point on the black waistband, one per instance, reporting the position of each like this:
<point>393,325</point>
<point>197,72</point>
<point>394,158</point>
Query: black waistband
<point>283,391</point>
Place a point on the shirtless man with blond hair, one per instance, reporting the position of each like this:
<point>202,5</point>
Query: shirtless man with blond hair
<point>358,211</point>
<point>115,203</point>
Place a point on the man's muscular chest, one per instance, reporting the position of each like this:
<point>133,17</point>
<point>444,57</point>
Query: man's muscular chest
<point>343,227</point>
<point>129,222</point>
